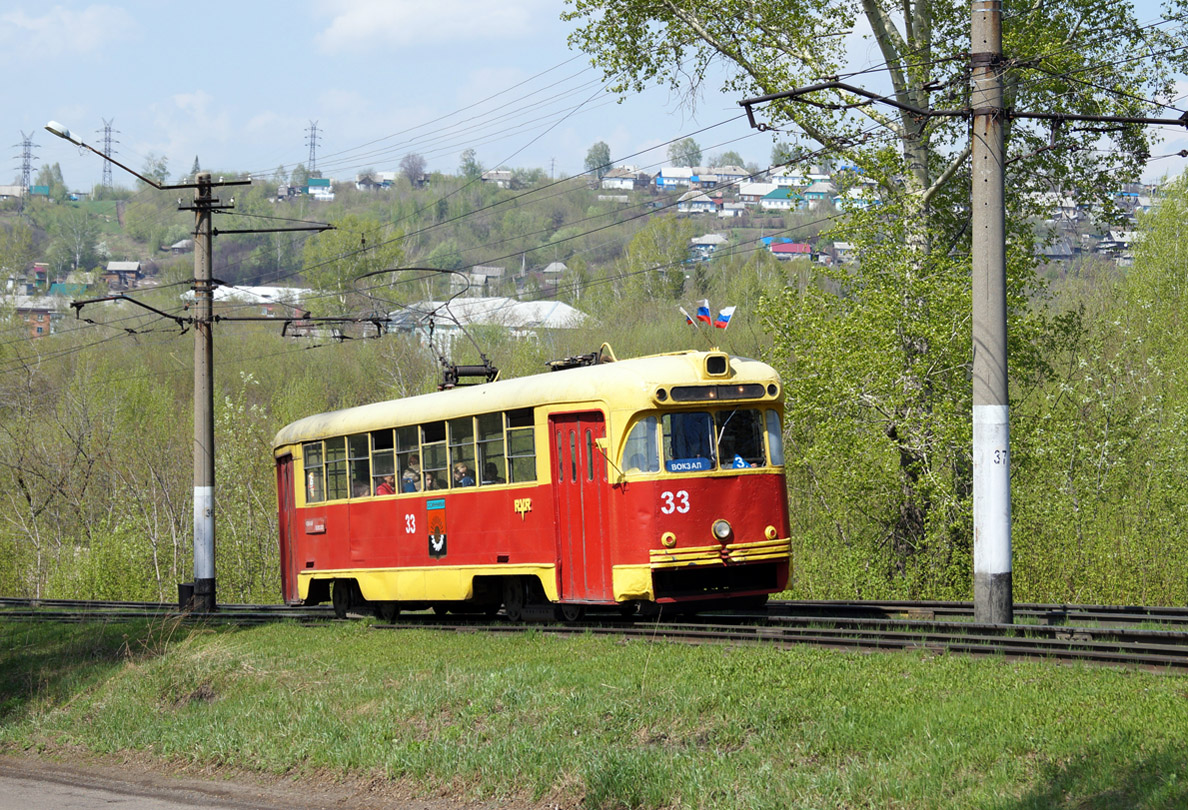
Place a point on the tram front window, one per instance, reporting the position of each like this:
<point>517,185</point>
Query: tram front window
<point>688,441</point>
<point>700,440</point>
<point>740,438</point>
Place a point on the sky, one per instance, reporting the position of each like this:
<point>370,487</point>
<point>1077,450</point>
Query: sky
<point>238,86</point>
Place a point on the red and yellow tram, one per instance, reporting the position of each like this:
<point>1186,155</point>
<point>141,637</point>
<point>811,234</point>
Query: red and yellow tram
<point>633,483</point>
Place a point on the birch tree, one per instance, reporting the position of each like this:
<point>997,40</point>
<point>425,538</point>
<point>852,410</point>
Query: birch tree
<point>876,354</point>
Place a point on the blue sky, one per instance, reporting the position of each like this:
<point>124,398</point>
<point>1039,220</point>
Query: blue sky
<point>237,85</point>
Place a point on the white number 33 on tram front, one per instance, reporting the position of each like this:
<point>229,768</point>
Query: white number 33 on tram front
<point>674,502</point>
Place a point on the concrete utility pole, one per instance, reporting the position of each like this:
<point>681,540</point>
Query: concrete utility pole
<point>200,594</point>
<point>991,415</point>
<point>204,471</point>
<point>993,601</point>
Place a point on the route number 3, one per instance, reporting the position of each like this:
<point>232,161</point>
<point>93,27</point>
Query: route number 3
<point>674,502</point>
<point>410,524</point>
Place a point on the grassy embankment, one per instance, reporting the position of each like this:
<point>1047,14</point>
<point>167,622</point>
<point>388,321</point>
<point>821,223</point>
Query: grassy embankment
<point>601,723</point>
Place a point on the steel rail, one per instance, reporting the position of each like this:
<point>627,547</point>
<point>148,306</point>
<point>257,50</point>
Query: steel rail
<point>862,626</point>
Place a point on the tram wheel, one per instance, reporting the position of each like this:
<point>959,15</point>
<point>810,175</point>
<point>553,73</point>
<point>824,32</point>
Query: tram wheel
<point>387,611</point>
<point>340,596</point>
<point>440,608</point>
<point>514,598</point>
<point>569,613</point>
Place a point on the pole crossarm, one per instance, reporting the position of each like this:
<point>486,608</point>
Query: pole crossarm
<point>379,323</point>
<point>315,227</point>
<point>78,305</point>
<point>795,95</point>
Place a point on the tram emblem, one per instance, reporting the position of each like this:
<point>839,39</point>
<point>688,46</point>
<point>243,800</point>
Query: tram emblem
<point>437,528</point>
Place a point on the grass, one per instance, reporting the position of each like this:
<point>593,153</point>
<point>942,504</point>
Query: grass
<point>602,723</point>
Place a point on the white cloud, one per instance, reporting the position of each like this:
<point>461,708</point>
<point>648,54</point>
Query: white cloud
<point>65,32</point>
<point>191,124</point>
<point>364,24</point>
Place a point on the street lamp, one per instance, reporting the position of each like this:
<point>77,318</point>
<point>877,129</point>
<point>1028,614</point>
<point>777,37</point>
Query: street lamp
<point>65,134</point>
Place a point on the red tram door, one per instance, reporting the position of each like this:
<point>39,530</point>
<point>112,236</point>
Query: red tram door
<point>580,501</point>
<point>287,513</point>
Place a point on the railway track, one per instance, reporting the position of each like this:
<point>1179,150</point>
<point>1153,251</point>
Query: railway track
<point>74,610</point>
<point>1099,634</point>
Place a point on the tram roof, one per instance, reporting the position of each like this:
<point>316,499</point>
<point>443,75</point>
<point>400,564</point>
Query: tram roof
<point>628,383</point>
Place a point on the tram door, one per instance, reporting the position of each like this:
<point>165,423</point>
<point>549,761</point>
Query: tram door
<point>579,487</point>
<point>285,499</point>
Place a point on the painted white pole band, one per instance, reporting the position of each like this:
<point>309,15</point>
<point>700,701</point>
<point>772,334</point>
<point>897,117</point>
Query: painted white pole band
<point>204,533</point>
<point>992,489</point>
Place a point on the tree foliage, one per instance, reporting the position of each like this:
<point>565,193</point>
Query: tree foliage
<point>727,158</point>
<point>684,152</point>
<point>51,177</point>
<point>156,168</point>
<point>17,247</point>
<point>412,166</point>
<point>598,159</point>
<point>469,166</point>
<point>875,354</point>
<point>335,260</point>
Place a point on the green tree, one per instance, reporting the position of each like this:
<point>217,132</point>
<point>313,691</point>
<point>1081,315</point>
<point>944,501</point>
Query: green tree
<point>79,232</point>
<point>412,166</point>
<point>655,262</point>
<point>300,176</point>
<point>469,166</point>
<point>335,260</point>
<point>875,355</point>
<point>727,158</point>
<point>51,177</point>
<point>598,159</point>
<point>684,152</point>
<point>17,248</point>
<point>156,168</point>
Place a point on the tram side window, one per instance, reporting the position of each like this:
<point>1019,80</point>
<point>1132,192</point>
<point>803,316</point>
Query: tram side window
<point>434,459</point>
<point>740,438</point>
<point>359,458</point>
<point>492,461</point>
<point>775,438</point>
<point>336,469</point>
<point>689,441</point>
<point>462,472</point>
<point>382,462</point>
<point>408,460</point>
<point>641,453</point>
<point>521,446</point>
<point>315,482</point>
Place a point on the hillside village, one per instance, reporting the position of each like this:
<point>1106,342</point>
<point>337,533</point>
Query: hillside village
<point>730,204</point>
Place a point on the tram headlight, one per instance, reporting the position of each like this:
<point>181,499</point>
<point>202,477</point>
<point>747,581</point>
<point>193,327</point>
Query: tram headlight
<point>722,530</point>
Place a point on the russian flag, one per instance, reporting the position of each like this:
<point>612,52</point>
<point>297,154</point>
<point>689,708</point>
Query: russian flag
<point>688,317</point>
<point>703,311</point>
<point>724,317</point>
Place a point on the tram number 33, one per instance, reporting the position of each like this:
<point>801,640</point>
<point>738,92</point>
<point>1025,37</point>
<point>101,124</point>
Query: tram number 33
<point>410,524</point>
<point>674,502</point>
